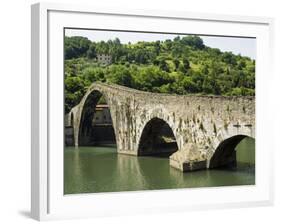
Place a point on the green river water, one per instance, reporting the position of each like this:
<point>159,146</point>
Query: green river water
<point>101,169</point>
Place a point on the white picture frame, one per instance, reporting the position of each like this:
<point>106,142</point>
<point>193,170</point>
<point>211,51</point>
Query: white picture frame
<point>48,201</point>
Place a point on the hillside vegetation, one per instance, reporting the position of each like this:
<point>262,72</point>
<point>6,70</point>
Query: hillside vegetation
<point>179,66</point>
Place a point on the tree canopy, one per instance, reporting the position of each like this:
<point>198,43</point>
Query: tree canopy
<point>179,66</point>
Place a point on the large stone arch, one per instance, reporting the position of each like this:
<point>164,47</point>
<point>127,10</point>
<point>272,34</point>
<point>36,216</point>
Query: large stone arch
<point>159,112</point>
<point>224,153</point>
<point>227,131</point>
<point>84,110</point>
<point>150,130</point>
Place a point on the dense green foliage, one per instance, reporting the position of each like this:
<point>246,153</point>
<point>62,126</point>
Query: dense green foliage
<point>179,66</point>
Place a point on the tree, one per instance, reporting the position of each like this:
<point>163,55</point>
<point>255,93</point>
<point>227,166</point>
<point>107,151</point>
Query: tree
<point>189,85</point>
<point>163,65</point>
<point>207,86</point>
<point>177,38</point>
<point>146,78</point>
<point>229,58</point>
<point>193,41</point>
<point>168,44</point>
<point>74,91</point>
<point>177,50</point>
<point>120,74</point>
<point>186,64</point>
<point>93,74</point>
<point>241,64</point>
<point>176,63</point>
<point>102,48</point>
<point>91,53</point>
<point>76,47</point>
<point>157,47</point>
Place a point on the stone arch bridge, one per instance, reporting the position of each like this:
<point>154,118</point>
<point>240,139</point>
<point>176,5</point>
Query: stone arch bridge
<point>206,128</point>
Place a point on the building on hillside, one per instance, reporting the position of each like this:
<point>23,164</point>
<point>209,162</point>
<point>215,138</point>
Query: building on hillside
<point>104,59</point>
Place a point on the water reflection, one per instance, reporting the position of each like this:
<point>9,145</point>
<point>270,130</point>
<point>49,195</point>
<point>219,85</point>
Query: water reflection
<point>101,169</point>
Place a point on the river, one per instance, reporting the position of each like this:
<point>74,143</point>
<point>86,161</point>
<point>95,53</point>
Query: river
<point>101,169</point>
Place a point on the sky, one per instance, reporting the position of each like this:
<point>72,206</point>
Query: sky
<point>237,45</point>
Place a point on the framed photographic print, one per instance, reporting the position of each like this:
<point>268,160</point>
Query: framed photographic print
<point>148,111</point>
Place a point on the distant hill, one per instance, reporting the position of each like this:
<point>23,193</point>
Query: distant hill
<point>179,66</point>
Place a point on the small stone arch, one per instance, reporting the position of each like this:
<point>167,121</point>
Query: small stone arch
<point>225,153</point>
<point>85,112</point>
<point>150,140</point>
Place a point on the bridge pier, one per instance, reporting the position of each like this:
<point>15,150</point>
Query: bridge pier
<point>188,166</point>
<point>189,158</point>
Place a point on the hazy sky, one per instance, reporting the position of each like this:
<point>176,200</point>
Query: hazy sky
<point>237,45</point>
